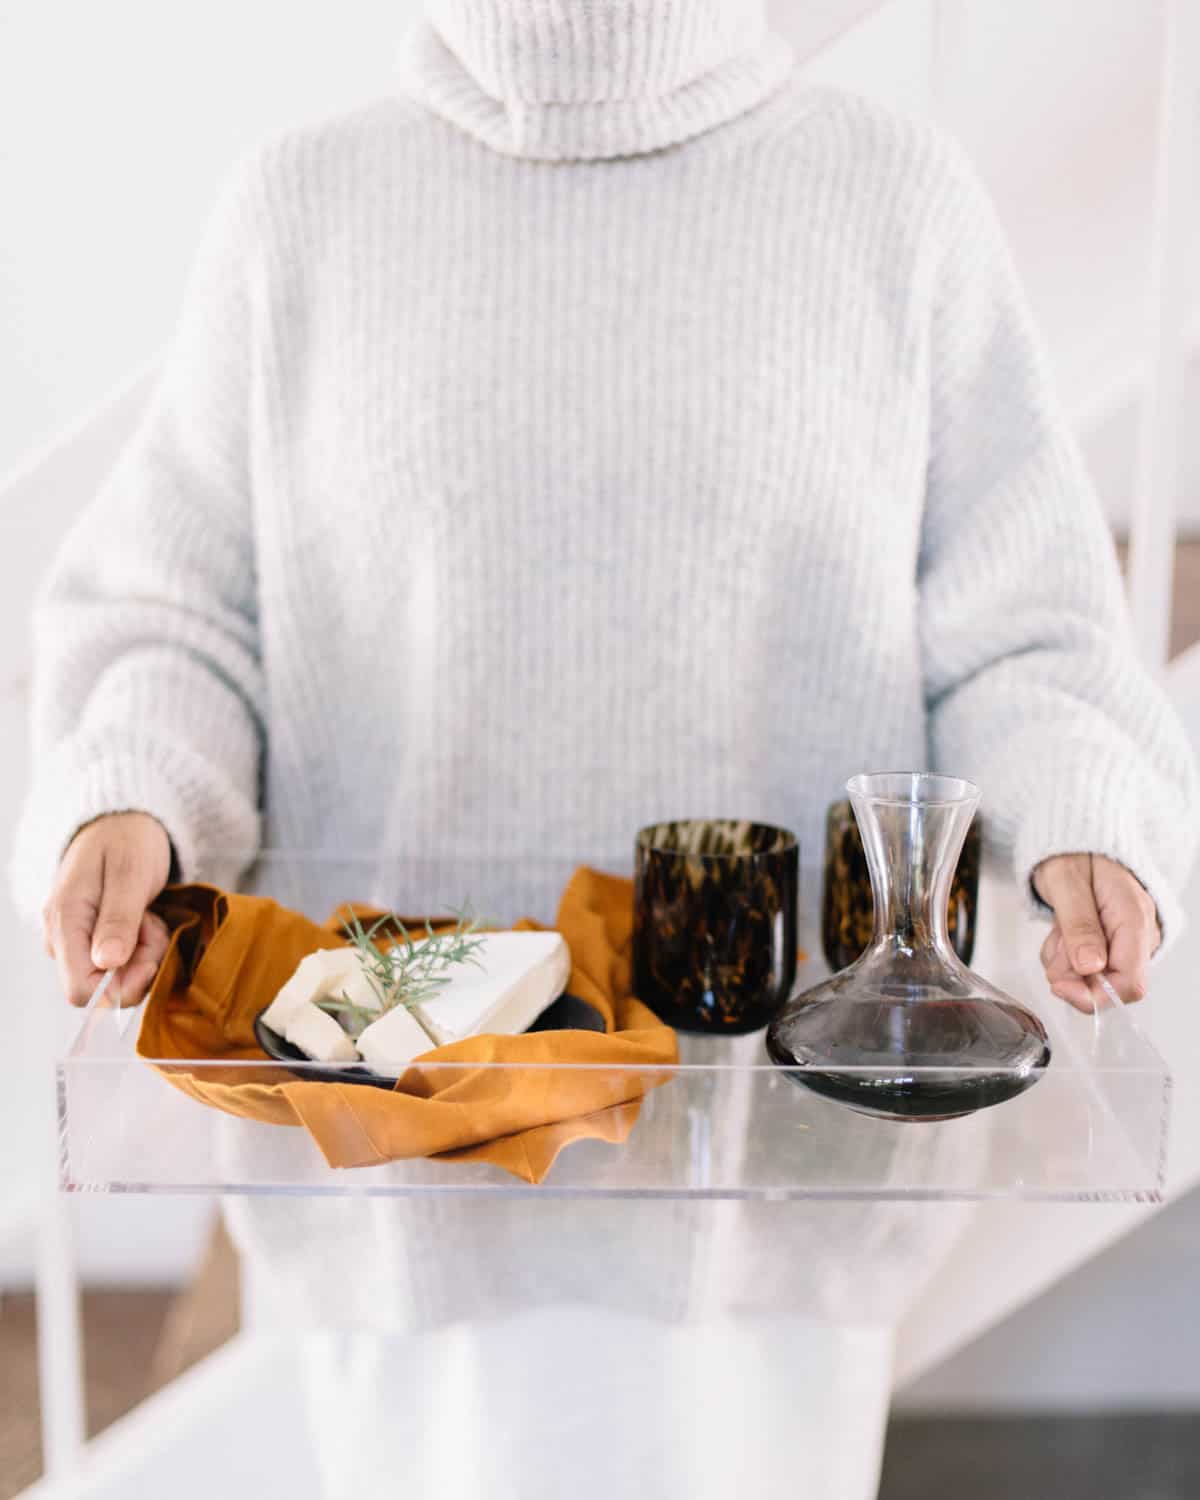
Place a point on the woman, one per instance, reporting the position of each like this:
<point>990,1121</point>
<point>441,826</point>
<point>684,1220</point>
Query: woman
<point>603,428</point>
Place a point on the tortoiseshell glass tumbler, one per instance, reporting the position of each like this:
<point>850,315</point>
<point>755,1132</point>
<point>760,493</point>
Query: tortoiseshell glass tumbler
<point>714,922</point>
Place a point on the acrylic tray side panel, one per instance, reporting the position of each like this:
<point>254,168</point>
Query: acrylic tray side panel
<point>725,1125</point>
<point>734,1129</point>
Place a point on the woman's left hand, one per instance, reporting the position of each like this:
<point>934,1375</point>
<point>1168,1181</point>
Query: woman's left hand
<point>1104,922</point>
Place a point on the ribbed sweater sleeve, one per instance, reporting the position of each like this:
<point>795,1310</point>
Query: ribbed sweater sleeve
<point>1032,683</point>
<point>148,692</point>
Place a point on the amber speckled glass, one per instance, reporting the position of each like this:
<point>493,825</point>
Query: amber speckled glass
<point>714,922</point>
<point>847,907</point>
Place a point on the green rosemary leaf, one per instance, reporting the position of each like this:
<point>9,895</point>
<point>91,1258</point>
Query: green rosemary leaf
<point>403,972</point>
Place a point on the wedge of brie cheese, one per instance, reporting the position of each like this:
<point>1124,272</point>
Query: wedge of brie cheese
<point>517,976</point>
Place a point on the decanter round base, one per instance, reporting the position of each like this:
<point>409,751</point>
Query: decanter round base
<point>901,1097</point>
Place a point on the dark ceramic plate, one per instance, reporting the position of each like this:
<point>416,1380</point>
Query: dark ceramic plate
<point>567,1013</point>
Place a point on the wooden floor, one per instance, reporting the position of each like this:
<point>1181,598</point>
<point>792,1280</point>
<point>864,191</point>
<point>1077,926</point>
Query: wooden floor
<point>1135,1456</point>
<point>122,1330</point>
<point>137,1340</point>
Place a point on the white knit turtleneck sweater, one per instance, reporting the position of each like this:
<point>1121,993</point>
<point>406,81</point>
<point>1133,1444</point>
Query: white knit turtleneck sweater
<point>604,428</point>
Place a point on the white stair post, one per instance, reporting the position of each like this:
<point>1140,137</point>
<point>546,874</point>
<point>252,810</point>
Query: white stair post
<point>1152,530</point>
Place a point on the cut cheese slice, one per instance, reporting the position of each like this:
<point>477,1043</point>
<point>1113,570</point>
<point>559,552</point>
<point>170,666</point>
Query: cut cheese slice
<point>316,977</point>
<point>318,1035</point>
<point>390,1044</point>
<point>358,989</point>
<point>294,1013</point>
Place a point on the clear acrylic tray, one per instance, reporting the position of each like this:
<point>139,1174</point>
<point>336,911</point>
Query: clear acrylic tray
<point>725,1123</point>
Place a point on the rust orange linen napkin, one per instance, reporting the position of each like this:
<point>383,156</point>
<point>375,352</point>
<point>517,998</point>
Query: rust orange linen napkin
<point>230,954</point>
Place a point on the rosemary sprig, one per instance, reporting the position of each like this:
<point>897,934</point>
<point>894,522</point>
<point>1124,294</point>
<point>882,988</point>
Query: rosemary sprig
<point>402,971</point>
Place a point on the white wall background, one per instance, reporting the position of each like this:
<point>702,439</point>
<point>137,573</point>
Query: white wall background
<point>116,124</point>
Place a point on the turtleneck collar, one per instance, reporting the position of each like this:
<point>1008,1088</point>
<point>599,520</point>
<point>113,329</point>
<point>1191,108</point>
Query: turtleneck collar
<point>570,80</point>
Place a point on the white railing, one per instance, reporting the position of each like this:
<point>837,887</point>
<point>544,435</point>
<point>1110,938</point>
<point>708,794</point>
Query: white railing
<point>1172,284</point>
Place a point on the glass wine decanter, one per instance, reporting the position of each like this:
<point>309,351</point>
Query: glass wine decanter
<point>909,1003</point>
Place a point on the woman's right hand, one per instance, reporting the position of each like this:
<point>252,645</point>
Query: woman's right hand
<point>96,917</point>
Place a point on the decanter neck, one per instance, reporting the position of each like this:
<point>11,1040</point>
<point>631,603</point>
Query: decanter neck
<point>912,848</point>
